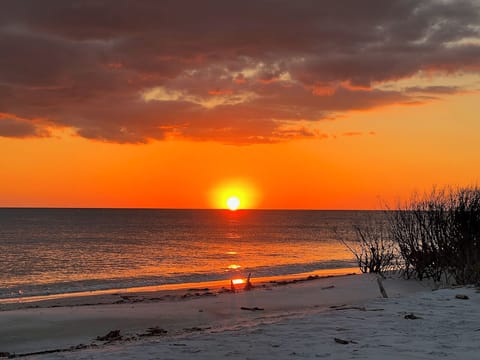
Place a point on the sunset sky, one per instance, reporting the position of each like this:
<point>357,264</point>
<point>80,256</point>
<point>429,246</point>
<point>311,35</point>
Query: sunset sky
<point>286,104</point>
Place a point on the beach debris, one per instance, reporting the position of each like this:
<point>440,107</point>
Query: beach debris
<point>328,287</point>
<point>252,308</point>
<point>51,351</point>
<point>197,294</point>
<point>111,336</point>
<point>382,289</point>
<point>412,316</point>
<point>198,289</point>
<point>461,297</point>
<point>196,328</point>
<point>130,299</point>
<point>344,342</point>
<point>248,284</point>
<point>225,290</point>
<point>344,307</point>
<point>153,331</point>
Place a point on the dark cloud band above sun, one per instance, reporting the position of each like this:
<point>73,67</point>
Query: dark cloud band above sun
<point>235,72</point>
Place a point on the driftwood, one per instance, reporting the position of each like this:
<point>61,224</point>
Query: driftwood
<point>111,336</point>
<point>412,316</point>
<point>153,331</point>
<point>196,328</point>
<point>382,289</point>
<point>461,297</point>
<point>252,309</point>
<point>43,352</point>
<point>361,308</point>
<point>344,342</point>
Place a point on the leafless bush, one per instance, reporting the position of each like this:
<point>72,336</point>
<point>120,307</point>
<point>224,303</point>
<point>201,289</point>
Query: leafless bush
<point>373,248</point>
<point>438,235</point>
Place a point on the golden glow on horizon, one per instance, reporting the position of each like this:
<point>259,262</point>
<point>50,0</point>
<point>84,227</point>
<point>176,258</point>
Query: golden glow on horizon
<point>233,203</point>
<point>232,194</point>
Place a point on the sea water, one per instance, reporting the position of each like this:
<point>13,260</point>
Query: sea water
<point>55,251</point>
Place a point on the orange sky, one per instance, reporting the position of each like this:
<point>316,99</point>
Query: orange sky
<point>307,105</point>
<point>414,147</point>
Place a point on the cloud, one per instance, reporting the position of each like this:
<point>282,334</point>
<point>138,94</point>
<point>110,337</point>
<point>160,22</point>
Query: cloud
<point>20,128</point>
<point>433,89</point>
<point>236,72</point>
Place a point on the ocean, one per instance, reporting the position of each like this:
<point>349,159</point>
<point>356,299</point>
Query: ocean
<point>57,251</point>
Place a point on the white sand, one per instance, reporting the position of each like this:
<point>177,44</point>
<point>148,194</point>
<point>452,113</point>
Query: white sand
<point>297,323</point>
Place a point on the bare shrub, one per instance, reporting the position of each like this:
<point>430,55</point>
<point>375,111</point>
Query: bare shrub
<point>438,235</point>
<point>465,224</point>
<point>373,248</point>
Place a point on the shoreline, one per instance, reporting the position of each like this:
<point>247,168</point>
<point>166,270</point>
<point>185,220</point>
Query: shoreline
<point>215,285</point>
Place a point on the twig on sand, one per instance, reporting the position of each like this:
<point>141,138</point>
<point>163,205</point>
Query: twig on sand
<point>412,316</point>
<point>43,352</point>
<point>196,328</point>
<point>361,308</point>
<point>252,308</point>
<point>344,342</point>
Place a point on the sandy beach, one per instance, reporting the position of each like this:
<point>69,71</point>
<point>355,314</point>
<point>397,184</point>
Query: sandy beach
<point>339,317</point>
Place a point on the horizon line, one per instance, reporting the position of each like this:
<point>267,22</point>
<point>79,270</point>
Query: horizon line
<point>171,208</point>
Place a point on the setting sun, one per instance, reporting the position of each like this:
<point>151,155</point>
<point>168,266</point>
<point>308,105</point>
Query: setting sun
<point>233,203</point>
<point>234,194</point>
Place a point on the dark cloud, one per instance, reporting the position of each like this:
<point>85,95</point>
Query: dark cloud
<point>235,72</point>
<point>18,128</point>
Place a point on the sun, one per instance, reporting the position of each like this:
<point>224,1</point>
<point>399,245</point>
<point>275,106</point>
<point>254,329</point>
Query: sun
<point>234,194</point>
<point>233,203</point>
